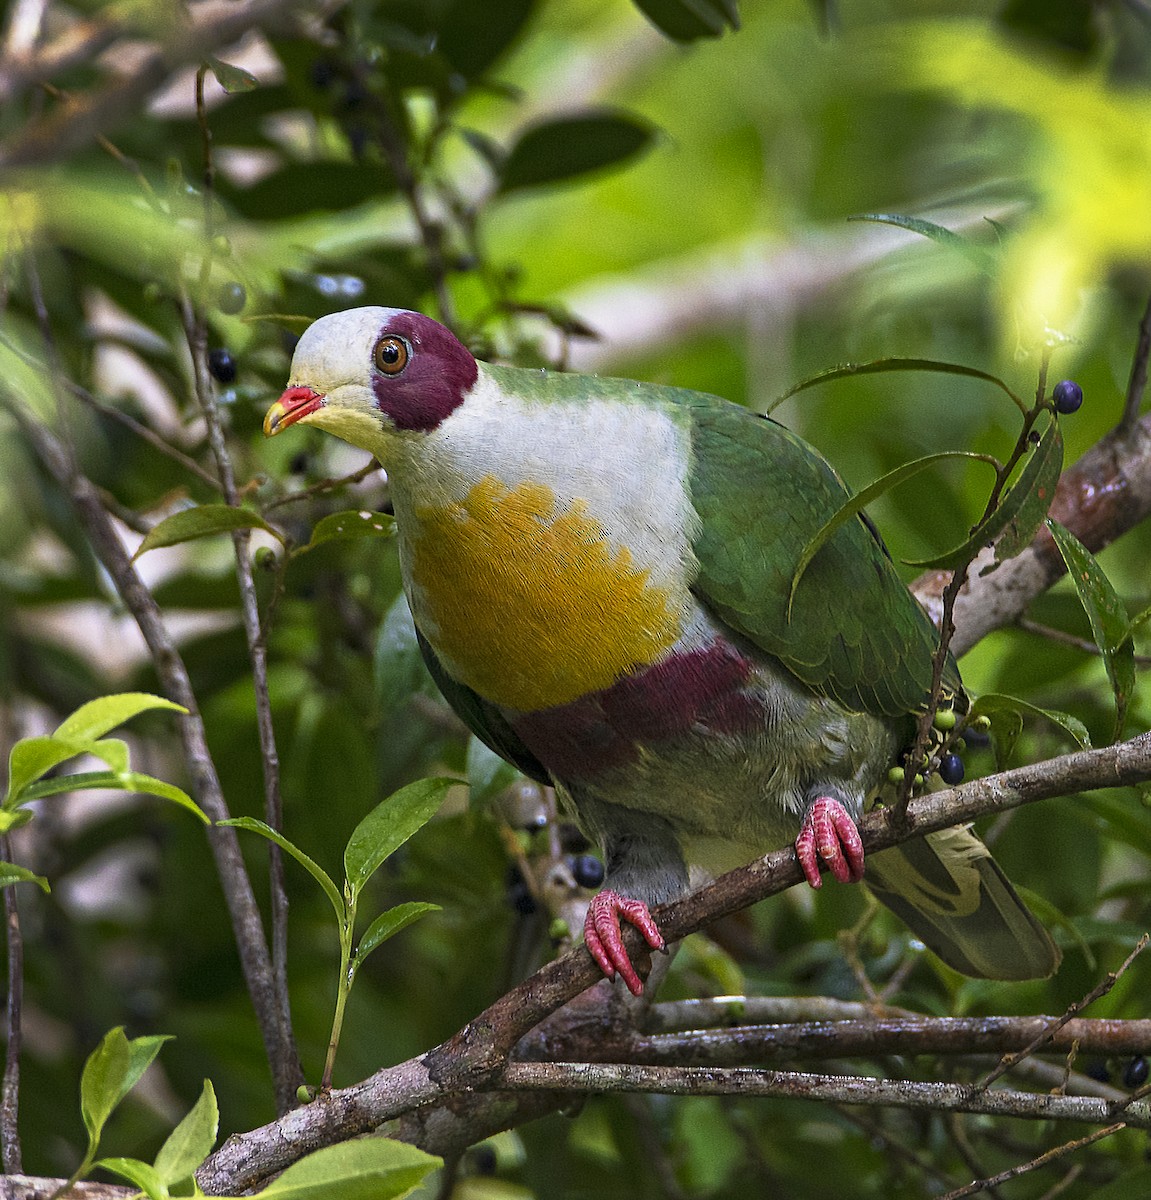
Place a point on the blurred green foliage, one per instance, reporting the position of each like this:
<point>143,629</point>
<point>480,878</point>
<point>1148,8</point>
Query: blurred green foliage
<point>535,171</point>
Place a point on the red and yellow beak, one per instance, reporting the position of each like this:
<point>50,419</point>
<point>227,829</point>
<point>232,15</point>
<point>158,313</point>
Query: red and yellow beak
<point>294,404</point>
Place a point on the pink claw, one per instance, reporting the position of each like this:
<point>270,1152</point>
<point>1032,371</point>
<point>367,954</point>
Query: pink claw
<point>602,935</point>
<point>829,833</point>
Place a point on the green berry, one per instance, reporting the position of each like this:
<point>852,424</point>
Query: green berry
<point>231,298</point>
<point>944,720</point>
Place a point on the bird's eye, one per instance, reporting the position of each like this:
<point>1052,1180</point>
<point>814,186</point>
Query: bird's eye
<point>391,355</point>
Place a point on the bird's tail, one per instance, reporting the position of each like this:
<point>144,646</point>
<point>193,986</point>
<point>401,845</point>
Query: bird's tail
<point>956,899</point>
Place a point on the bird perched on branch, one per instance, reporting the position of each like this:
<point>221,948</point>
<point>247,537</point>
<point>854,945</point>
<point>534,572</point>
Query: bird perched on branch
<point>600,572</point>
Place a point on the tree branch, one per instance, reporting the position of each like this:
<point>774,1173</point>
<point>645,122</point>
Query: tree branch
<point>475,1058</point>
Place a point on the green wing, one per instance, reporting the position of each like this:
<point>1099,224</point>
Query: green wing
<point>855,632</point>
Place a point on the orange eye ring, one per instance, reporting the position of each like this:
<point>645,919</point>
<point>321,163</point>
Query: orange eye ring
<point>391,354</point>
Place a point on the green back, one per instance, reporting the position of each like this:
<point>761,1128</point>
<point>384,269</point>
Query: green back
<point>855,632</point>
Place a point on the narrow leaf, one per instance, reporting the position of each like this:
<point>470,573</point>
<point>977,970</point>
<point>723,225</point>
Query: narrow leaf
<point>1110,625</point>
<point>389,825</point>
<point>351,524</point>
<point>11,873</point>
<point>199,522</point>
<point>13,818</point>
<point>139,1174</point>
<point>993,703</point>
<point>191,1141</point>
<point>881,365</point>
<point>1018,514</point>
<point>97,717</point>
<point>313,868</point>
<point>388,924</point>
<point>374,1168</point>
<point>130,781</point>
<point>857,503</point>
<point>984,260</point>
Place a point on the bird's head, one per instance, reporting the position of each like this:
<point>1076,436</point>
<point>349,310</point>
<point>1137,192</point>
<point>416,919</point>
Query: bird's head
<point>368,373</point>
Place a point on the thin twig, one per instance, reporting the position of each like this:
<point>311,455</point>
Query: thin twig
<point>1056,1152</point>
<point>1073,1010</point>
<point>10,1095</point>
<point>1137,383</point>
<point>288,1073</point>
<point>324,486</point>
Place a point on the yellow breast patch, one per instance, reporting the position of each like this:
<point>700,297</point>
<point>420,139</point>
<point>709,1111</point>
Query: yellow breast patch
<point>530,601</point>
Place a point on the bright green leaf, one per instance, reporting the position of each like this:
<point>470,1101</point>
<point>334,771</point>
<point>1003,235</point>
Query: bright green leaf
<point>389,825</point>
<point>1110,625</point>
<point>138,1173</point>
<point>387,925</point>
<point>1020,510</point>
<point>31,758</point>
<point>13,818</point>
<point>857,503</point>
<point>352,524</point>
<point>103,1083</point>
<point>232,78</point>
<point>201,521</point>
<point>310,865</point>
<point>191,1141</point>
<point>130,781</point>
<point>374,1168</point>
<point>94,719</point>
<point>881,366</point>
<point>11,873</point>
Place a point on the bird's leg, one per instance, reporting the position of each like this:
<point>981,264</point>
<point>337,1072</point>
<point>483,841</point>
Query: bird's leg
<point>829,834</point>
<point>604,939</point>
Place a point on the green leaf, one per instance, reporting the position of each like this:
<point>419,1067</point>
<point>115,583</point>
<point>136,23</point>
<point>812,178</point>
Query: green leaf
<point>937,233</point>
<point>1020,510</point>
<point>389,825</point>
<point>565,147</point>
<point>13,818</point>
<point>31,758</point>
<point>138,1173</point>
<point>992,703</point>
<point>191,1141</point>
<point>351,524</point>
<point>387,925</point>
<point>1110,625</point>
<point>97,717</point>
<point>880,366</point>
<point>11,873</point>
<point>313,868</point>
<point>690,20</point>
<point>129,781</point>
<point>201,521</point>
<point>232,78</point>
<point>488,774</point>
<point>373,1168</point>
<point>854,506</point>
<point>111,1071</point>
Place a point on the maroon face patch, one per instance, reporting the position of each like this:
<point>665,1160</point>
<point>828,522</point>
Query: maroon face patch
<point>420,372</point>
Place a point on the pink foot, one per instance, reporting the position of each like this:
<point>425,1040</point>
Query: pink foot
<point>829,833</point>
<point>602,936</point>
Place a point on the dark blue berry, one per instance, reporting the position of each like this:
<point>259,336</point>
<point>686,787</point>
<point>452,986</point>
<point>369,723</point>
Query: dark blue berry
<point>222,365</point>
<point>231,298</point>
<point>1068,396</point>
<point>1097,1069</point>
<point>587,870</point>
<point>951,769</point>
<point>519,894</point>
<point>1135,1072</point>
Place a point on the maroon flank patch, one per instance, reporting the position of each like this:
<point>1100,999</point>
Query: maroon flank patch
<point>439,373</point>
<point>697,689</point>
